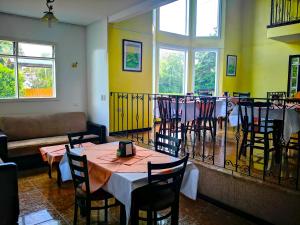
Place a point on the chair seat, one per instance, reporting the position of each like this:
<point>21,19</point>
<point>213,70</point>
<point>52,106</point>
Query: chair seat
<point>146,199</point>
<point>100,194</point>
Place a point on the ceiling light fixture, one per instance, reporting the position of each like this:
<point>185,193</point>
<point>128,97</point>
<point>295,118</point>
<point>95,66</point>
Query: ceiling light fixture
<point>49,15</point>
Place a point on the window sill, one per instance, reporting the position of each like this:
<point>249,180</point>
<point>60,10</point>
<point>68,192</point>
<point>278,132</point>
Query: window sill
<point>28,100</point>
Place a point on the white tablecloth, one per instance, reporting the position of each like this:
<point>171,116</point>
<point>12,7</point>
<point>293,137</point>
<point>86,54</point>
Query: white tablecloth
<point>121,185</point>
<point>190,111</point>
<point>291,119</point>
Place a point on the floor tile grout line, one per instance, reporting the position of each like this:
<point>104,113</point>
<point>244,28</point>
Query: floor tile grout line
<point>53,207</point>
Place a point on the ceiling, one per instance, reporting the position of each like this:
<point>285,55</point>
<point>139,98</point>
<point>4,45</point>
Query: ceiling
<point>80,12</point>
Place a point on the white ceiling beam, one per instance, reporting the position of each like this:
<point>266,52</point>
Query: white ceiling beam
<point>138,9</point>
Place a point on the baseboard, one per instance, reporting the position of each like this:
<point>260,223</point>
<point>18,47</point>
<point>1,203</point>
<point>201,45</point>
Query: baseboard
<point>234,210</point>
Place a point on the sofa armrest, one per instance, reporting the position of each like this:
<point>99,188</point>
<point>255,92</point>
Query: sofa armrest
<point>9,207</point>
<point>97,129</point>
<point>3,146</point>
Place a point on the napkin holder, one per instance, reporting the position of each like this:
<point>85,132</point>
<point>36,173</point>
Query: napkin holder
<point>126,149</point>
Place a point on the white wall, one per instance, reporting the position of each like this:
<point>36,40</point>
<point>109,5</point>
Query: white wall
<point>70,47</point>
<point>97,70</point>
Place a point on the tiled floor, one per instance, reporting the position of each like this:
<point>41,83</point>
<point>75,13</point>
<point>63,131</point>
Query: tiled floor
<point>43,202</point>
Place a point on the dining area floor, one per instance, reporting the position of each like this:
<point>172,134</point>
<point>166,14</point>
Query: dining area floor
<point>43,202</point>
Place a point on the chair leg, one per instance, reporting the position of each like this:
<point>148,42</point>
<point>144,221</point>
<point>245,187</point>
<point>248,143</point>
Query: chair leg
<point>149,217</point>
<point>106,210</point>
<point>88,212</point>
<point>75,212</point>
<point>134,216</point>
<point>122,214</point>
<point>175,214</point>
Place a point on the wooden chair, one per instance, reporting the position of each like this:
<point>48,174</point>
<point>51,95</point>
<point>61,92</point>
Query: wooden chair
<point>9,198</point>
<point>205,93</point>
<point>167,144</point>
<point>161,193</point>
<point>254,117</point>
<point>77,138</point>
<point>167,115</point>
<point>83,198</point>
<point>277,97</point>
<point>205,120</point>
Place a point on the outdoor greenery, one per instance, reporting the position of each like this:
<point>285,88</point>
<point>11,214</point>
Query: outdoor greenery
<point>171,71</point>
<point>205,71</point>
<point>29,77</point>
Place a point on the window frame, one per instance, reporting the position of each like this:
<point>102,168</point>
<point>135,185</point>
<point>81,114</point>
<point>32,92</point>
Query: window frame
<point>194,22</point>
<point>16,42</point>
<point>217,51</point>
<point>187,22</point>
<point>185,75</point>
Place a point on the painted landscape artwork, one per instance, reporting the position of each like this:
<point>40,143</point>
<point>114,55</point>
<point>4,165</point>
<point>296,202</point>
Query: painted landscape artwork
<point>231,65</point>
<point>132,56</point>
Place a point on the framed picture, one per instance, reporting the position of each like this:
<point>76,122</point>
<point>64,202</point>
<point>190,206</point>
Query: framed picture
<point>231,65</point>
<point>132,55</point>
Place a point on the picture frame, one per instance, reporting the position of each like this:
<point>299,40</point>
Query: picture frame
<point>132,55</point>
<point>231,65</point>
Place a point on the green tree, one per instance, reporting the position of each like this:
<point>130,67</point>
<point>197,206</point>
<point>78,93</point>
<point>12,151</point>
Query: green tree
<point>7,82</point>
<point>205,71</point>
<point>171,70</point>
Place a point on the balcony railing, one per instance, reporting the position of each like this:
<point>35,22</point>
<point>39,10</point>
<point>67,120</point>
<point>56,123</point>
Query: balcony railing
<point>136,116</point>
<point>284,12</point>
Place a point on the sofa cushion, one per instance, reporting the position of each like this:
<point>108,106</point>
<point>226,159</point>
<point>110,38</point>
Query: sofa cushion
<point>29,127</point>
<point>31,146</point>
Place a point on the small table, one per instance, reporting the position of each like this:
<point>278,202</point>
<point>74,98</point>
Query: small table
<point>120,176</point>
<point>53,155</point>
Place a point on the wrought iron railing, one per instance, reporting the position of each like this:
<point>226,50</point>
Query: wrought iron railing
<point>136,116</point>
<point>284,12</point>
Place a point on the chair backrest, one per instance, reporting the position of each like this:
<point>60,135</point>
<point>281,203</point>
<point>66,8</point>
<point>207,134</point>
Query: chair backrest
<point>241,94</point>
<point>164,106</point>
<point>205,93</point>
<point>79,170</point>
<point>9,200</point>
<point>254,115</point>
<point>167,175</point>
<point>277,96</point>
<point>206,108</point>
<point>167,144</point>
<point>83,137</point>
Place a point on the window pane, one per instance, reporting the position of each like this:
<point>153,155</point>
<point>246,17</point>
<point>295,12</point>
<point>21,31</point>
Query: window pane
<point>6,47</point>
<point>205,71</point>
<point>172,17</point>
<point>36,78</point>
<point>35,50</point>
<point>207,18</point>
<point>171,71</point>
<point>7,77</point>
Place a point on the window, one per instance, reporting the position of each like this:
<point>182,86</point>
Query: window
<point>172,71</point>
<point>205,70</point>
<point>26,70</point>
<point>173,17</point>
<point>207,22</point>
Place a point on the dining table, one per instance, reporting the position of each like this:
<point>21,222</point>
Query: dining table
<point>290,116</point>
<point>122,175</point>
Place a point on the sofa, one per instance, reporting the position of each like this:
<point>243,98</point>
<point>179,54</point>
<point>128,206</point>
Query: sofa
<point>22,136</point>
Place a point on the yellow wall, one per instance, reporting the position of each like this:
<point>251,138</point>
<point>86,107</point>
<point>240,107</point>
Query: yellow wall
<point>137,29</point>
<point>264,61</point>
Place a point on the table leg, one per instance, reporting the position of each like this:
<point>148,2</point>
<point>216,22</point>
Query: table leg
<point>49,171</point>
<point>58,175</point>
